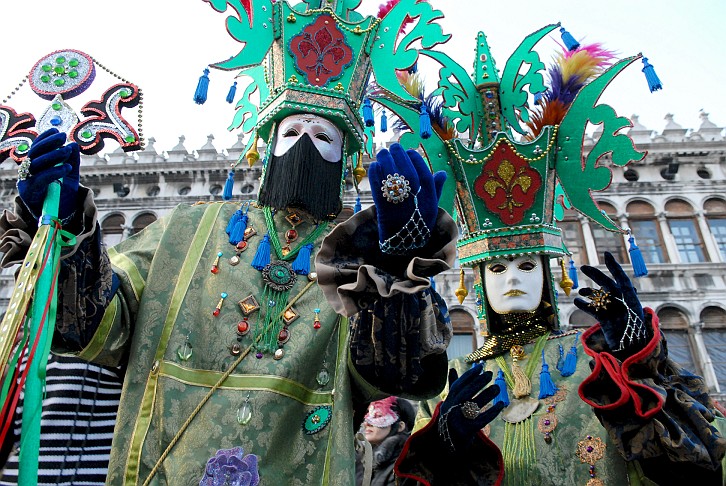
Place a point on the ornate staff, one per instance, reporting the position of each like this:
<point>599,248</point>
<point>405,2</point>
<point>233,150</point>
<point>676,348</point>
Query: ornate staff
<point>59,76</point>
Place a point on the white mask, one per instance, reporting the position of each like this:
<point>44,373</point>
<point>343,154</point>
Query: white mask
<point>514,285</point>
<point>324,134</point>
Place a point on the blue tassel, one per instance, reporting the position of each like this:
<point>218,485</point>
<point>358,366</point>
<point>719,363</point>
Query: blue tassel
<point>561,360</point>
<point>200,95</point>
<point>262,256</point>
<point>358,205</point>
<point>368,113</point>
<point>547,388</point>
<point>636,258</point>
<point>572,272</point>
<point>570,363</point>
<point>301,265</point>
<point>503,395</point>
<point>233,221</point>
<point>433,283</point>
<point>238,232</point>
<point>424,123</point>
<point>654,83</point>
<point>232,92</point>
<point>384,122</point>
<point>228,186</point>
<point>570,43</point>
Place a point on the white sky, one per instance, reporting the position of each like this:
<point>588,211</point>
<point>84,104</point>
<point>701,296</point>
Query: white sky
<point>163,46</point>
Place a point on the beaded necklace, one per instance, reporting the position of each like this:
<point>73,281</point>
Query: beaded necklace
<point>279,278</point>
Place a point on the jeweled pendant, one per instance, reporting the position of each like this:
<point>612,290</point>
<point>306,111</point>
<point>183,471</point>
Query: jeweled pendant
<point>235,349</point>
<point>283,336</point>
<point>244,413</point>
<point>249,233</point>
<point>285,250</point>
<point>279,354</point>
<point>316,321</point>
<point>520,409</point>
<point>185,350</point>
<point>243,327</point>
<point>291,235</point>
<point>234,261</point>
<point>215,265</point>
<point>317,419</point>
<point>323,377</point>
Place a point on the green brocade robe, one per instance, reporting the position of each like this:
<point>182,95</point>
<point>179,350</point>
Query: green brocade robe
<point>167,294</point>
<point>673,423</point>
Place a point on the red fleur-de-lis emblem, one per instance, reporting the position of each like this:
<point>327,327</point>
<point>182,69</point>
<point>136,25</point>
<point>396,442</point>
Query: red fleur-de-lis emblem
<point>508,185</point>
<point>320,51</point>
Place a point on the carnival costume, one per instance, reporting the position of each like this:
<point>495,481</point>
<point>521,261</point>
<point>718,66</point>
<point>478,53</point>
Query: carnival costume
<point>548,418</point>
<point>238,370</point>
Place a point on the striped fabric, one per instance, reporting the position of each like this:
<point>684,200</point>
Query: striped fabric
<point>79,414</point>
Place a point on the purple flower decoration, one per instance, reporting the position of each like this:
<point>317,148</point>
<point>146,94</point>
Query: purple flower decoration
<point>230,467</point>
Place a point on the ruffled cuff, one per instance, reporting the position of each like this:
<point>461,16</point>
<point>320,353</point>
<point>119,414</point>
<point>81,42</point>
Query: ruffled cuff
<point>649,405</point>
<point>426,460</point>
<point>17,228</point>
<point>353,272</point>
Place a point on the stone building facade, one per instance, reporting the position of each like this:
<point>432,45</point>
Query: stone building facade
<point>674,201</point>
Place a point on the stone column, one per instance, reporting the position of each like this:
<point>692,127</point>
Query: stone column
<point>709,374</point>
<point>712,252</point>
<point>590,247</point>
<point>668,241</point>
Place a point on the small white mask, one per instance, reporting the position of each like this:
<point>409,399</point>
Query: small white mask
<point>516,285</point>
<point>324,134</point>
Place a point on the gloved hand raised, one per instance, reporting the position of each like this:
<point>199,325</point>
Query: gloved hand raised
<point>406,195</point>
<point>616,307</point>
<point>461,416</point>
<point>49,160</point>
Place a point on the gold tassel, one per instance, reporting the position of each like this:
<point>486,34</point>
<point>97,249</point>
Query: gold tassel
<point>522,385</point>
<point>566,282</point>
<point>252,154</point>
<point>461,292</point>
<point>359,172</point>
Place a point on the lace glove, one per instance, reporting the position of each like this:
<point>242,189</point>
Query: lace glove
<point>407,200</point>
<point>616,307</point>
<point>49,160</point>
<point>462,415</point>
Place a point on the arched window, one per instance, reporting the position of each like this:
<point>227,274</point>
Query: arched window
<point>675,329</point>
<point>572,236</point>
<point>142,221</point>
<point>607,240</point>
<point>112,229</point>
<point>685,231</point>
<point>714,338</point>
<point>463,341</point>
<point>716,215</point>
<point>645,228</point>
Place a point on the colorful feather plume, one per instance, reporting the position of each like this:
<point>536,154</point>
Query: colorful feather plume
<point>570,71</point>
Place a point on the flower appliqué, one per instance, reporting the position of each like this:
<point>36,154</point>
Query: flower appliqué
<point>232,467</point>
<point>508,185</point>
<point>320,51</point>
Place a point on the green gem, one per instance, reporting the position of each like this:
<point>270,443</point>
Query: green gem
<point>59,70</point>
<point>130,139</point>
<point>86,134</point>
<point>23,147</point>
<point>59,82</point>
<point>46,68</point>
<point>125,93</point>
<point>45,78</point>
<point>56,106</point>
<point>60,60</point>
<point>73,74</point>
<point>73,62</point>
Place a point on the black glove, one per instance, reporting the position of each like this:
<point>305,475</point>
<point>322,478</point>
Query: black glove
<point>406,195</point>
<point>460,415</point>
<point>616,307</point>
<point>50,160</point>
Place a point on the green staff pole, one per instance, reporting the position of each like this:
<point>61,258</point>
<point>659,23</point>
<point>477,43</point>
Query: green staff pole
<point>35,381</point>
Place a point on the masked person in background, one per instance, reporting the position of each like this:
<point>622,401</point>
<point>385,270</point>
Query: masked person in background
<point>386,427</point>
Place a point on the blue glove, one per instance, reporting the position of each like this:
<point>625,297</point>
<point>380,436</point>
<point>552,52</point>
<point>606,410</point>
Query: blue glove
<point>460,416</point>
<point>406,195</point>
<point>616,307</point>
<point>51,160</point>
